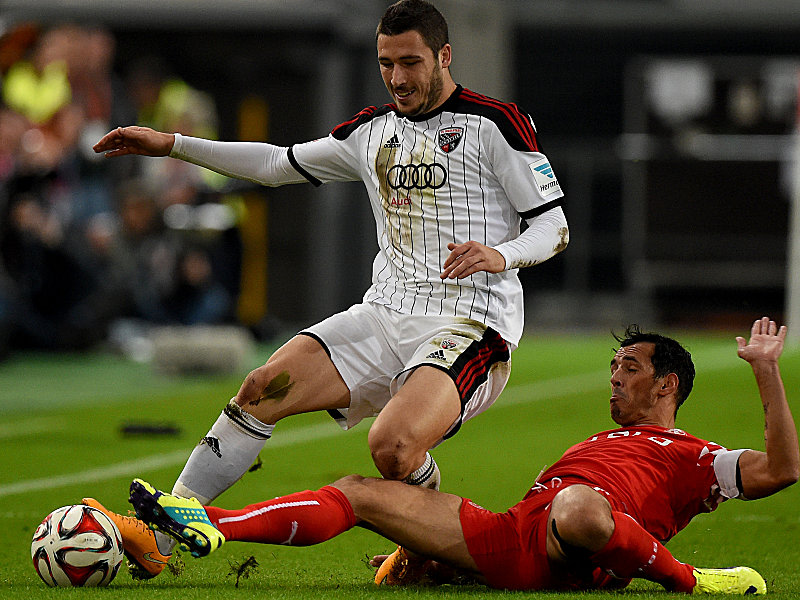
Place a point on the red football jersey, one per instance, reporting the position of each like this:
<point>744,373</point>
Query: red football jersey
<point>660,477</point>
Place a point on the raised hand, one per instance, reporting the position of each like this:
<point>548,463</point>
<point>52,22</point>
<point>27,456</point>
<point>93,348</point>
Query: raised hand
<point>766,341</point>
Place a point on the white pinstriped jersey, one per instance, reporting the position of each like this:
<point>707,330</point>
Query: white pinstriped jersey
<point>470,170</point>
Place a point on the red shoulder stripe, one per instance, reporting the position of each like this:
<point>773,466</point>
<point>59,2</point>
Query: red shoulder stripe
<point>521,124</point>
<point>363,113</point>
<point>342,130</point>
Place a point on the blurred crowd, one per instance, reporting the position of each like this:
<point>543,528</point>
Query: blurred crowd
<point>87,243</point>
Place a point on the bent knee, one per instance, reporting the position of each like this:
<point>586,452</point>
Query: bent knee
<point>366,495</point>
<point>394,455</point>
<point>252,385</point>
<point>349,482</point>
<point>582,517</point>
<point>266,383</point>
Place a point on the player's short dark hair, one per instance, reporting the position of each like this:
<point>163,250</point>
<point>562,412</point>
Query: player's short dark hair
<point>419,16</point>
<point>668,357</point>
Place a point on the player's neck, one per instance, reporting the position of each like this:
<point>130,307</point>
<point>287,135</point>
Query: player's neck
<point>651,421</point>
<point>448,88</point>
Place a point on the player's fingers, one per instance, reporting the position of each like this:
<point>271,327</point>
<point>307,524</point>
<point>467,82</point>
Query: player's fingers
<point>458,254</point>
<point>449,263</point>
<point>455,270</point>
<point>756,328</point>
<point>105,142</point>
<point>450,260</point>
<point>446,273</point>
<point>782,332</point>
<point>117,152</point>
<point>468,268</point>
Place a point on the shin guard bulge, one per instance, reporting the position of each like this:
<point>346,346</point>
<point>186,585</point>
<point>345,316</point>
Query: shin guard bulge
<point>633,552</point>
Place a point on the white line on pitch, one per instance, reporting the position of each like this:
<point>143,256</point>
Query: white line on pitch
<point>158,461</point>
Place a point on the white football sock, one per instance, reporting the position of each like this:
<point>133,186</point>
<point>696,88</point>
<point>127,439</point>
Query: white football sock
<point>427,476</point>
<point>225,454</point>
<point>227,451</point>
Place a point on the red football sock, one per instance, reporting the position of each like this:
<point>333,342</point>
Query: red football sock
<point>632,552</point>
<point>300,519</point>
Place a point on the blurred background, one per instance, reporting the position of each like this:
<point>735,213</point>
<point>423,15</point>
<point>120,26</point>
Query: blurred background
<point>670,124</point>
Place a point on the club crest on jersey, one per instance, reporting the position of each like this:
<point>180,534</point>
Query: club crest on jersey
<point>449,138</point>
<point>448,344</point>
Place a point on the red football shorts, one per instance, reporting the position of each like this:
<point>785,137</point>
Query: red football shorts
<point>510,548</point>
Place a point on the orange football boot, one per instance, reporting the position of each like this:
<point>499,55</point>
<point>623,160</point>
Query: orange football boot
<point>145,561</point>
<point>402,568</point>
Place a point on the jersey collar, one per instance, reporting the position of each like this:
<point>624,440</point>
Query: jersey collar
<point>440,109</point>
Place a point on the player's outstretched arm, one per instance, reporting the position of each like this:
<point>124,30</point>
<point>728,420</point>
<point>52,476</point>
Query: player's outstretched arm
<point>764,473</point>
<point>135,140</point>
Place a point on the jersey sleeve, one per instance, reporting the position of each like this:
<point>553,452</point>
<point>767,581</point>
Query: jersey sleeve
<point>525,174</point>
<point>726,467</point>
<point>327,159</point>
<point>258,162</point>
<point>546,235</point>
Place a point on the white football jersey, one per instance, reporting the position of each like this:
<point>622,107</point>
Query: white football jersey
<point>469,170</point>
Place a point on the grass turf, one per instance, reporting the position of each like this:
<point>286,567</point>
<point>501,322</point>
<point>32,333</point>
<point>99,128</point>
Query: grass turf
<point>61,419</point>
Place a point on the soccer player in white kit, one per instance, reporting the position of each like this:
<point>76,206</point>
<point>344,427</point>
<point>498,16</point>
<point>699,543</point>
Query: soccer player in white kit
<point>451,174</point>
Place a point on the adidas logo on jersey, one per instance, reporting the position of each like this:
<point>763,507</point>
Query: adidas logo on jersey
<point>438,355</point>
<point>393,142</point>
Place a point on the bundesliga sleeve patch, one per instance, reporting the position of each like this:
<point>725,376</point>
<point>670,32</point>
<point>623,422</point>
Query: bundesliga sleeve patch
<point>544,176</point>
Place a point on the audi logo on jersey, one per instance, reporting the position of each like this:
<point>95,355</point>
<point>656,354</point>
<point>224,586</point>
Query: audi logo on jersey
<point>417,177</point>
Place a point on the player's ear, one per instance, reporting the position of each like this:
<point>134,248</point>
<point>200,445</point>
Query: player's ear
<point>445,56</point>
<point>669,385</point>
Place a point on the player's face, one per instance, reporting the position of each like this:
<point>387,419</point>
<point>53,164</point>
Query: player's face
<point>634,391</point>
<point>412,72</point>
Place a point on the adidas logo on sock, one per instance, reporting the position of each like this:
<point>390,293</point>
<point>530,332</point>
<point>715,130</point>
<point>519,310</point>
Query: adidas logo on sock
<point>438,355</point>
<point>212,443</point>
<point>393,142</point>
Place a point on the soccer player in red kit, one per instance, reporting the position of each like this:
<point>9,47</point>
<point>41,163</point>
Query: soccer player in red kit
<point>596,519</point>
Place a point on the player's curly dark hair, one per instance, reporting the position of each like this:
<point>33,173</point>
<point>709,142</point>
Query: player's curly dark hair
<point>415,15</point>
<point>668,357</point>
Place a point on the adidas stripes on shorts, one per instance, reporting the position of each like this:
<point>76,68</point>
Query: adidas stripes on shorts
<point>375,349</point>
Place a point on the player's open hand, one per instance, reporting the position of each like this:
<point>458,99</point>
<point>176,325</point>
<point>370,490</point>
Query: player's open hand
<point>469,258</point>
<point>135,140</point>
<point>766,341</point>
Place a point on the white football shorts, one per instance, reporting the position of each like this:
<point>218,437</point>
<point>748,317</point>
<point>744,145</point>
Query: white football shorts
<point>375,349</point>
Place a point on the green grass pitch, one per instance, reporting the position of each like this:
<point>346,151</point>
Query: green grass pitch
<point>60,420</point>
